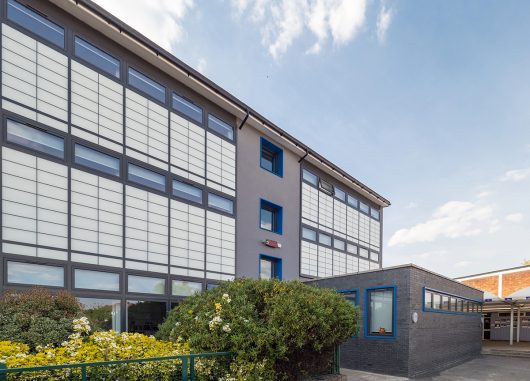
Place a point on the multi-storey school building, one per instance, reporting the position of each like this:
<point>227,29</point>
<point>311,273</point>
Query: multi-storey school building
<point>132,180</point>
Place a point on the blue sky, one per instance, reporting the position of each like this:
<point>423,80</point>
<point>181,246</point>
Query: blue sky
<point>427,102</point>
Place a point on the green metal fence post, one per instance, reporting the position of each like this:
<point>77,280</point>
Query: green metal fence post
<point>3,376</point>
<point>192,368</point>
<point>83,373</point>
<point>336,360</point>
<point>184,369</point>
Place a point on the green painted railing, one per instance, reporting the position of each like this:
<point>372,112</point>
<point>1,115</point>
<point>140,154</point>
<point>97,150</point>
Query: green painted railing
<point>188,365</point>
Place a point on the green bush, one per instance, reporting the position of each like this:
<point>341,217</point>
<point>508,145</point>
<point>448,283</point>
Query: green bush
<point>37,317</point>
<point>278,330</point>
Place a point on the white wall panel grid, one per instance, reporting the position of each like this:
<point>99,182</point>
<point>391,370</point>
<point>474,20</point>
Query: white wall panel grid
<point>34,200</point>
<point>146,125</point>
<point>352,223</point>
<point>364,228</point>
<point>375,234</point>
<point>352,264</point>
<point>325,212</point>
<point>96,216</point>
<point>220,162</point>
<point>325,261</point>
<point>309,205</point>
<point>34,115</point>
<point>339,263</point>
<point>146,226</point>
<point>364,264</point>
<point>220,243</point>
<point>96,103</point>
<point>339,218</point>
<point>34,74</point>
<point>188,148</point>
<point>309,259</point>
<point>187,250</point>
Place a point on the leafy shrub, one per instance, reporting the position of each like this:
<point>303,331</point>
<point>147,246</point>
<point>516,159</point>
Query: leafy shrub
<point>36,317</point>
<point>99,346</point>
<point>279,330</point>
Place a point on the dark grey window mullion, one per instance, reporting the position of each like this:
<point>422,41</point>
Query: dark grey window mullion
<point>170,181</point>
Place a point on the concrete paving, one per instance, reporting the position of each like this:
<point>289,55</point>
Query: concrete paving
<point>483,368</point>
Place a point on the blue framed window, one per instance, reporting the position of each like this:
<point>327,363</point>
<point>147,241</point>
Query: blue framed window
<point>445,303</point>
<point>186,107</point>
<point>35,23</point>
<point>187,191</point>
<point>270,217</point>
<point>222,128</point>
<point>34,139</point>
<point>350,295</point>
<point>96,57</point>
<point>220,203</point>
<point>380,312</point>
<point>270,267</point>
<point>271,157</point>
<point>146,177</point>
<point>99,161</point>
<point>147,85</point>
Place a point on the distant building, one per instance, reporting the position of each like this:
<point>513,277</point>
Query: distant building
<point>506,302</point>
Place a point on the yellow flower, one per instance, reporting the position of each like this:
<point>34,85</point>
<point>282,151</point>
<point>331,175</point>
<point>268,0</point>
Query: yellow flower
<point>218,307</point>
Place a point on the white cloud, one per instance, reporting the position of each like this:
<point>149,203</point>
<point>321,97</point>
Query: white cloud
<point>454,219</point>
<point>514,217</point>
<point>201,65</point>
<point>281,22</point>
<point>516,175</point>
<point>411,205</point>
<point>463,263</point>
<point>159,20</point>
<point>384,19</point>
<point>484,194</point>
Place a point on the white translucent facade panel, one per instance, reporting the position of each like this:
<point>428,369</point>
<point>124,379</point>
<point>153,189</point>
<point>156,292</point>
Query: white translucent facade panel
<point>309,259</point>
<point>325,261</point>
<point>220,243</point>
<point>188,148</point>
<point>352,223</point>
<point>339,263</point>
<point>34,115</point>
<point>375,234</point>
<point>220,162</point>
<point>364,228</point>
<point>339,218</point>
<point>97,103</point>
<point>373,265</point>
<point>309,205</point>
<point>97,216</point>
<point>146,126</point>
<point>352,264</point>
<point>146,227</point>
<point>187,250</point>
<point>34,74</point>
<point>364,264</point>
<point>34,200</point>
<point>325,211</point>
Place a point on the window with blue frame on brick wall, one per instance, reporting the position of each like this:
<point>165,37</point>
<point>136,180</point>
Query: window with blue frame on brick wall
<point>270,217</point>
<point>270,267</point>
<point>271,157</point>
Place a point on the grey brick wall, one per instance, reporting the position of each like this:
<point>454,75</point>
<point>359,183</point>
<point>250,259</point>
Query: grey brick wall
<point>435,342</point>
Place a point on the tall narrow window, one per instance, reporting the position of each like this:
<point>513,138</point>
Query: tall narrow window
<point>147,85</point>
<point>381,312</point>
<point>35,139</point>
<point>146,177</point>
<point>188,108</point>
<point>99,161</point>
<point>271,157</point>
<point>35,23</point>
<point>222,128</point>
<point>271,217</point>
<point>428,299</point>
<point>96,57</point>
<point>270,267</point>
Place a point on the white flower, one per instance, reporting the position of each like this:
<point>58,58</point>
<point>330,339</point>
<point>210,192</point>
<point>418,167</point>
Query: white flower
<point>226,298</point>
<point>227,328</point>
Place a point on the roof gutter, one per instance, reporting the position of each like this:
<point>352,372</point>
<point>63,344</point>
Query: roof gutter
<point>137,43</point>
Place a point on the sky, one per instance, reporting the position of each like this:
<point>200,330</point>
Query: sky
<point>426,102</point>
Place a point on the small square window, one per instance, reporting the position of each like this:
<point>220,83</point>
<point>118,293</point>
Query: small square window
<point>364,208</point>
<point>220,203</point>
<point>270,267</point>
<point>271,217</point>
<point>352,249</point>
<point>339,193</point>
<point>353,201</point>
<point>324,239</point>
<point>374,213</point>
<point>326,187</point>
<point>338,244</point>
<point>271,157</point>
<point>309,234</point>
<point>310,177</point>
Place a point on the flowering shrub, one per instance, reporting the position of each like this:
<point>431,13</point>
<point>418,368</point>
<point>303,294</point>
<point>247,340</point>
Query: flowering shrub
<point>279,330</point>
<point>82,346</point>
<point>37,317</point>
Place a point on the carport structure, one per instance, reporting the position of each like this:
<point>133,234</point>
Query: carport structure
<point>506,308</point>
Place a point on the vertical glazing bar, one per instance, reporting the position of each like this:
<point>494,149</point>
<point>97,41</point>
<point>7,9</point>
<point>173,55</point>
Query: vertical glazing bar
<point>83,373</point>
<point>192,368</point>
<point>184,369</point>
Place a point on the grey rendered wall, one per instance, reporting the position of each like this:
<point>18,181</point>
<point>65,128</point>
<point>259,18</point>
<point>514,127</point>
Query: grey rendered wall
<point>380,355</point>
<point>438,340</point>
<point>253,184</point>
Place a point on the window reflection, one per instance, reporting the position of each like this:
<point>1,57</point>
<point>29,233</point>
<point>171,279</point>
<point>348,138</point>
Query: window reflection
<point>35,139</point>
<point>146,285</point>
<point>30,273</point>
<point>103,314</point>
<point>97,280</point>
<point>185,288</point>
<point>145,316</point>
